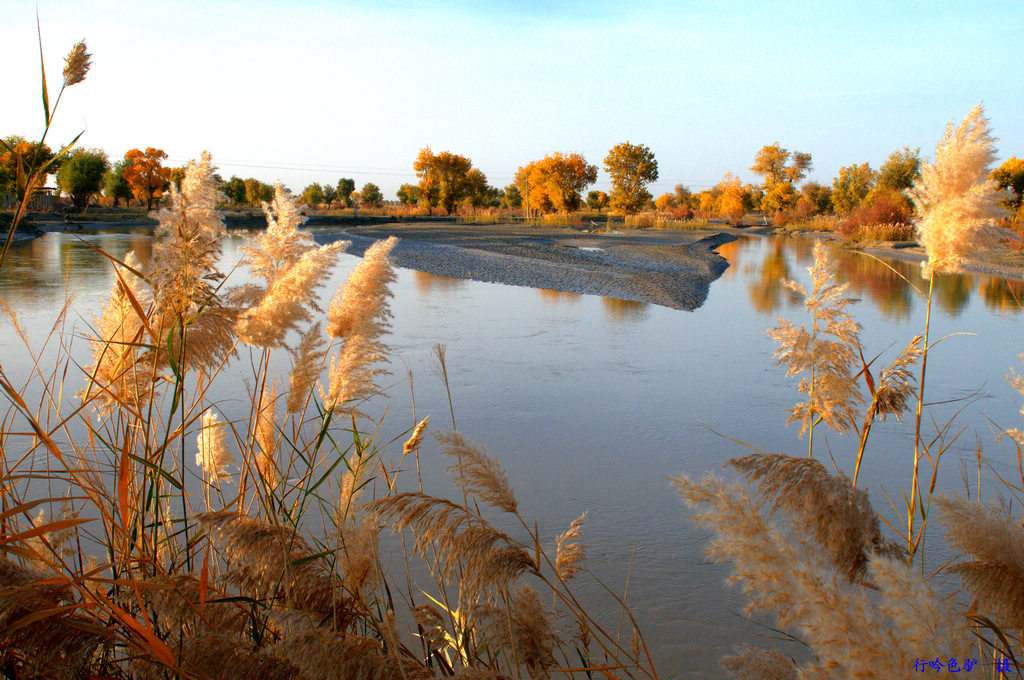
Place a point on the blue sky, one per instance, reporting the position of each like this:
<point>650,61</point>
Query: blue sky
<point>314,90</point>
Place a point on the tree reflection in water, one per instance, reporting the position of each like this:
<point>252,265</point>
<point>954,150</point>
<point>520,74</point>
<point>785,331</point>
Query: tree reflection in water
<point>624,310</point>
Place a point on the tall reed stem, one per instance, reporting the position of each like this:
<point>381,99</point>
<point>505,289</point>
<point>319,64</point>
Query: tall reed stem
<point>912,509</point>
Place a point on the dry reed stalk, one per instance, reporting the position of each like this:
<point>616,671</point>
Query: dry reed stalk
<point>957,202</point>
<point>831,389</point>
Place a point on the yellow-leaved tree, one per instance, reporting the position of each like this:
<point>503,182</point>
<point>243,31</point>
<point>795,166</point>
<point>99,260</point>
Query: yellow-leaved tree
<point>554,183</point>
<point>632,167</point>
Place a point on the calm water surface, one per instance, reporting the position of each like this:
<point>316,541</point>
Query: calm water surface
<point>591,403</point>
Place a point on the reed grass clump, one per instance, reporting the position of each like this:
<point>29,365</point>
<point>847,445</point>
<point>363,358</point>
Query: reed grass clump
<point>196,541</point>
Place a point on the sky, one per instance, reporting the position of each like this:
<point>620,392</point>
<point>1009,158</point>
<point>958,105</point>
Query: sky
<point>313,90</point>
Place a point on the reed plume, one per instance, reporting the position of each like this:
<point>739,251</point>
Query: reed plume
<point>307,364</point>
<point>750,663</point>
<point>360,307</point>
<point>292,267</point>
<point>217,656</point>
<point>1017,381</point>
<point>956,201</point>
<point>41,632</point>
<point>524,628</point>
<point>825,353</point>
<point>569,554</point>
<point>183,270</point>
<point>321,655</point>
<point>995,541</point>
<point>359,315</point>
<point>123,364</point>
<point>832,511</point>
<point>416,438</point>
<point>276,564</point>
<point>76,64</point>
<point>359,553</point>
<point>852,630</point>
<point>213,454</point>
<point>477,473</point>
<point>460,537</point>
<point>266,437</point>
<point>180,605</point>
<point>896,383</point>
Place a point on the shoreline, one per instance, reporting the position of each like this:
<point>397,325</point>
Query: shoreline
<point>668,268</point>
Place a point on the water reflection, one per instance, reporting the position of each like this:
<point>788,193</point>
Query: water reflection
<point>555,297</point>
<point>1002,295</point>
<point>766,262</point>
<point>767,289</point>
<point>43,269</point>
<point>624,310</point>
<point>430,283</point>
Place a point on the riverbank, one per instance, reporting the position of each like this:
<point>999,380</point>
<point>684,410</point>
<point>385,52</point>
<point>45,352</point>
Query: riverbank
<point>671,269</point>
<point>663,267</point>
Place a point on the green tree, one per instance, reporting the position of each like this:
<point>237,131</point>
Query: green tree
<point>371,194</point>
<point>781,170</point>
<point>444,176</point>
<point>476,188</point>
<point>852,186</point>
<point>234,189</point>
<point>900,170</point>
<point>330,194</point>
<point>632,167</point>
<point>81,174</point>
<point>597,200</point>
<point>408,194</point>
<point>313,195</point>
<point>818,197</point>
<point>684,198</point>
<point>115,186</point>
<point>513,198</point>
<point>346,186</point>
<point>253,191</point>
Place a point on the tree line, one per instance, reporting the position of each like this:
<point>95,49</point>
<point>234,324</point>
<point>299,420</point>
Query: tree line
<point>553,184</point>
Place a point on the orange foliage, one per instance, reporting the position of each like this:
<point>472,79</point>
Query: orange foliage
<point>554,183</point>
<point>146,177</point>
